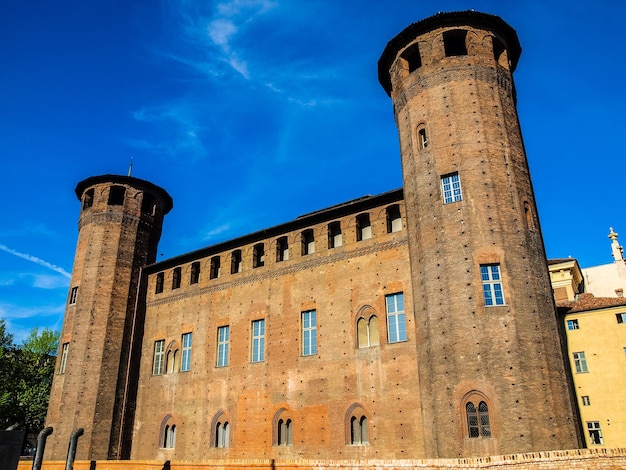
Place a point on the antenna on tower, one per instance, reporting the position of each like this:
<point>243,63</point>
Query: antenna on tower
<point>130,166</point>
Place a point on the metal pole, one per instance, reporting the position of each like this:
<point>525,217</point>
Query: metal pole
<point>41,445</point>
<point>71,451</point>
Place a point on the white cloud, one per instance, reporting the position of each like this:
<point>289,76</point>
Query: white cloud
<point>220,31</point>
<point>36,260</point>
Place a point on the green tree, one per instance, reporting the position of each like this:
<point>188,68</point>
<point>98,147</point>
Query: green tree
<point>26,378</point>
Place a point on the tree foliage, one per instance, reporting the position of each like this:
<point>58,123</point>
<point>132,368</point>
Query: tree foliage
<point>26,373</point>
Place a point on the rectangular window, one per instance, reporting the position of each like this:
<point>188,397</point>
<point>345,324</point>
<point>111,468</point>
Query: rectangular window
<point>595,434</point>
<point>309,333</point>
<point>451,188</point>
<point>185,360</point>
<point>223,337</point>
<point>64,350</point>
<point>492,284</point>
<point>159,351</point>
<point>195,273</point>
<point>580,362</point>
<point>396,320</point>
<point>214,272</point>
<point>363,227</point>
<point>572,324</point>
<point>176,273</point>
<point>586,401</point>
<point>73,294</point>
<point>258,341</point>
<point>621,317</point>
<point>159,283</point>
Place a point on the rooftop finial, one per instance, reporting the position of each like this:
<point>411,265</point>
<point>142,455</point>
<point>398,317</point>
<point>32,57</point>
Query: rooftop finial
<point>130,166</point>
<point>617,251</point>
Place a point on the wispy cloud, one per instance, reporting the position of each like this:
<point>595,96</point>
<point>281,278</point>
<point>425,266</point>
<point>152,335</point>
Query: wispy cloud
<point>36,260</point>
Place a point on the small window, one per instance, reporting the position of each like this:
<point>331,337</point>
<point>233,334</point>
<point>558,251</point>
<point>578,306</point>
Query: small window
<point>258,255</point>
<point>595,433</point>
<point>283,436</point>
<point>422,140</point>
<point>185,363</point>
<point>451,188</point>
<point>309,333</point>
<point>413,57</point>
<point>358,430</point>
<point>367,332</point>
<point>308,242</point>
<point>176,273</point>
<point>258,341</point>
<point>492,284</point>
<point>454,42</point>
<point>148,204</point>
<point>363,227</point>
<point>580,362</point>
<point>64,351</point>
<point>394,219</point>
<point>116,195</point>
<point>586,401</point>
<point>396,319</point>
<point>222,434</point>
<point>334,235</point>
<point>159,352</point>
<point>214,271</point>
<point>572,324</point>
<point>621,317</point>
<point>88,199</point>
<point>235,262</point>
<point>195,273</point>
<point>282,249</point>
<point>159,283</point>
<point>73,295</point>
<point>169,438</point>
<point>223,338</point>
<point>477,420</point>
<point>170,361</point>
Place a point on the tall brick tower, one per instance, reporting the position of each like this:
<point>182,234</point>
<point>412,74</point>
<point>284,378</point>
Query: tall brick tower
<point>95,379</point>
<point>492,374</point>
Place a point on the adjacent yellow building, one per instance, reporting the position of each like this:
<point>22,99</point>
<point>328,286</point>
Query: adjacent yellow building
<point>595,331</point>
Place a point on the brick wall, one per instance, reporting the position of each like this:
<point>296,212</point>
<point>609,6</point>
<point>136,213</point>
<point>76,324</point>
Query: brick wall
<point>591,459</point>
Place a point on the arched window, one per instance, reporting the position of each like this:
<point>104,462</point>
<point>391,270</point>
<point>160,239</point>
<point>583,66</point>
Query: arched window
<point>195,273</point>
<point>172,355</point>
<point>477,419</point>
<point>282,249</point>
<point>222,434</point>
<point>334,234</point>
<point>357,432</point>
<point>367,332</point>
<point>282,428</point>
<point>412,57</point>
<point>363,227</point>
<point>284,432</point>
<point>214,271</point>
<point>220,430</point>
<point>258,255</point>
<point>454,42</point>
<point>235,262</point>
<point>88,199</point>
<point>176,273</point>
<point>159,283</point>
<point>168,433</point>
<point>308,242</point>
<point>394,219</point>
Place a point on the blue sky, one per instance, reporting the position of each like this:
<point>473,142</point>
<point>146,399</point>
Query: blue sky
<point>252,112</point>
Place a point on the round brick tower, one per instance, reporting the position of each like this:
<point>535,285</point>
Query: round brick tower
<point>95,379</point>
<point>492,374</point>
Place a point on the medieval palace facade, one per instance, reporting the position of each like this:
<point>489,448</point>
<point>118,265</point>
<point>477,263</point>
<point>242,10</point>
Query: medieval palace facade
<point>419,323</point>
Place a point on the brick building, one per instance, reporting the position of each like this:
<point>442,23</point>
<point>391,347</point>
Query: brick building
<point>418,323</point>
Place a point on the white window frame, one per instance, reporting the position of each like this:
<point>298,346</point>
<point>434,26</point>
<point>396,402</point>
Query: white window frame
<point>73,295</point>
<point>223,339</point>
<point>573,324</point>
<point>580,362</point>
<point>621,318</point>
<point>64,352</point>
<point>185,360</point>
<point>159,357</point>
<point>451,188</point>
<point>493,292</point>
<point>258,341</point>
<point>595,433</point>
<point>396,318</point>
<point>309,333</point>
